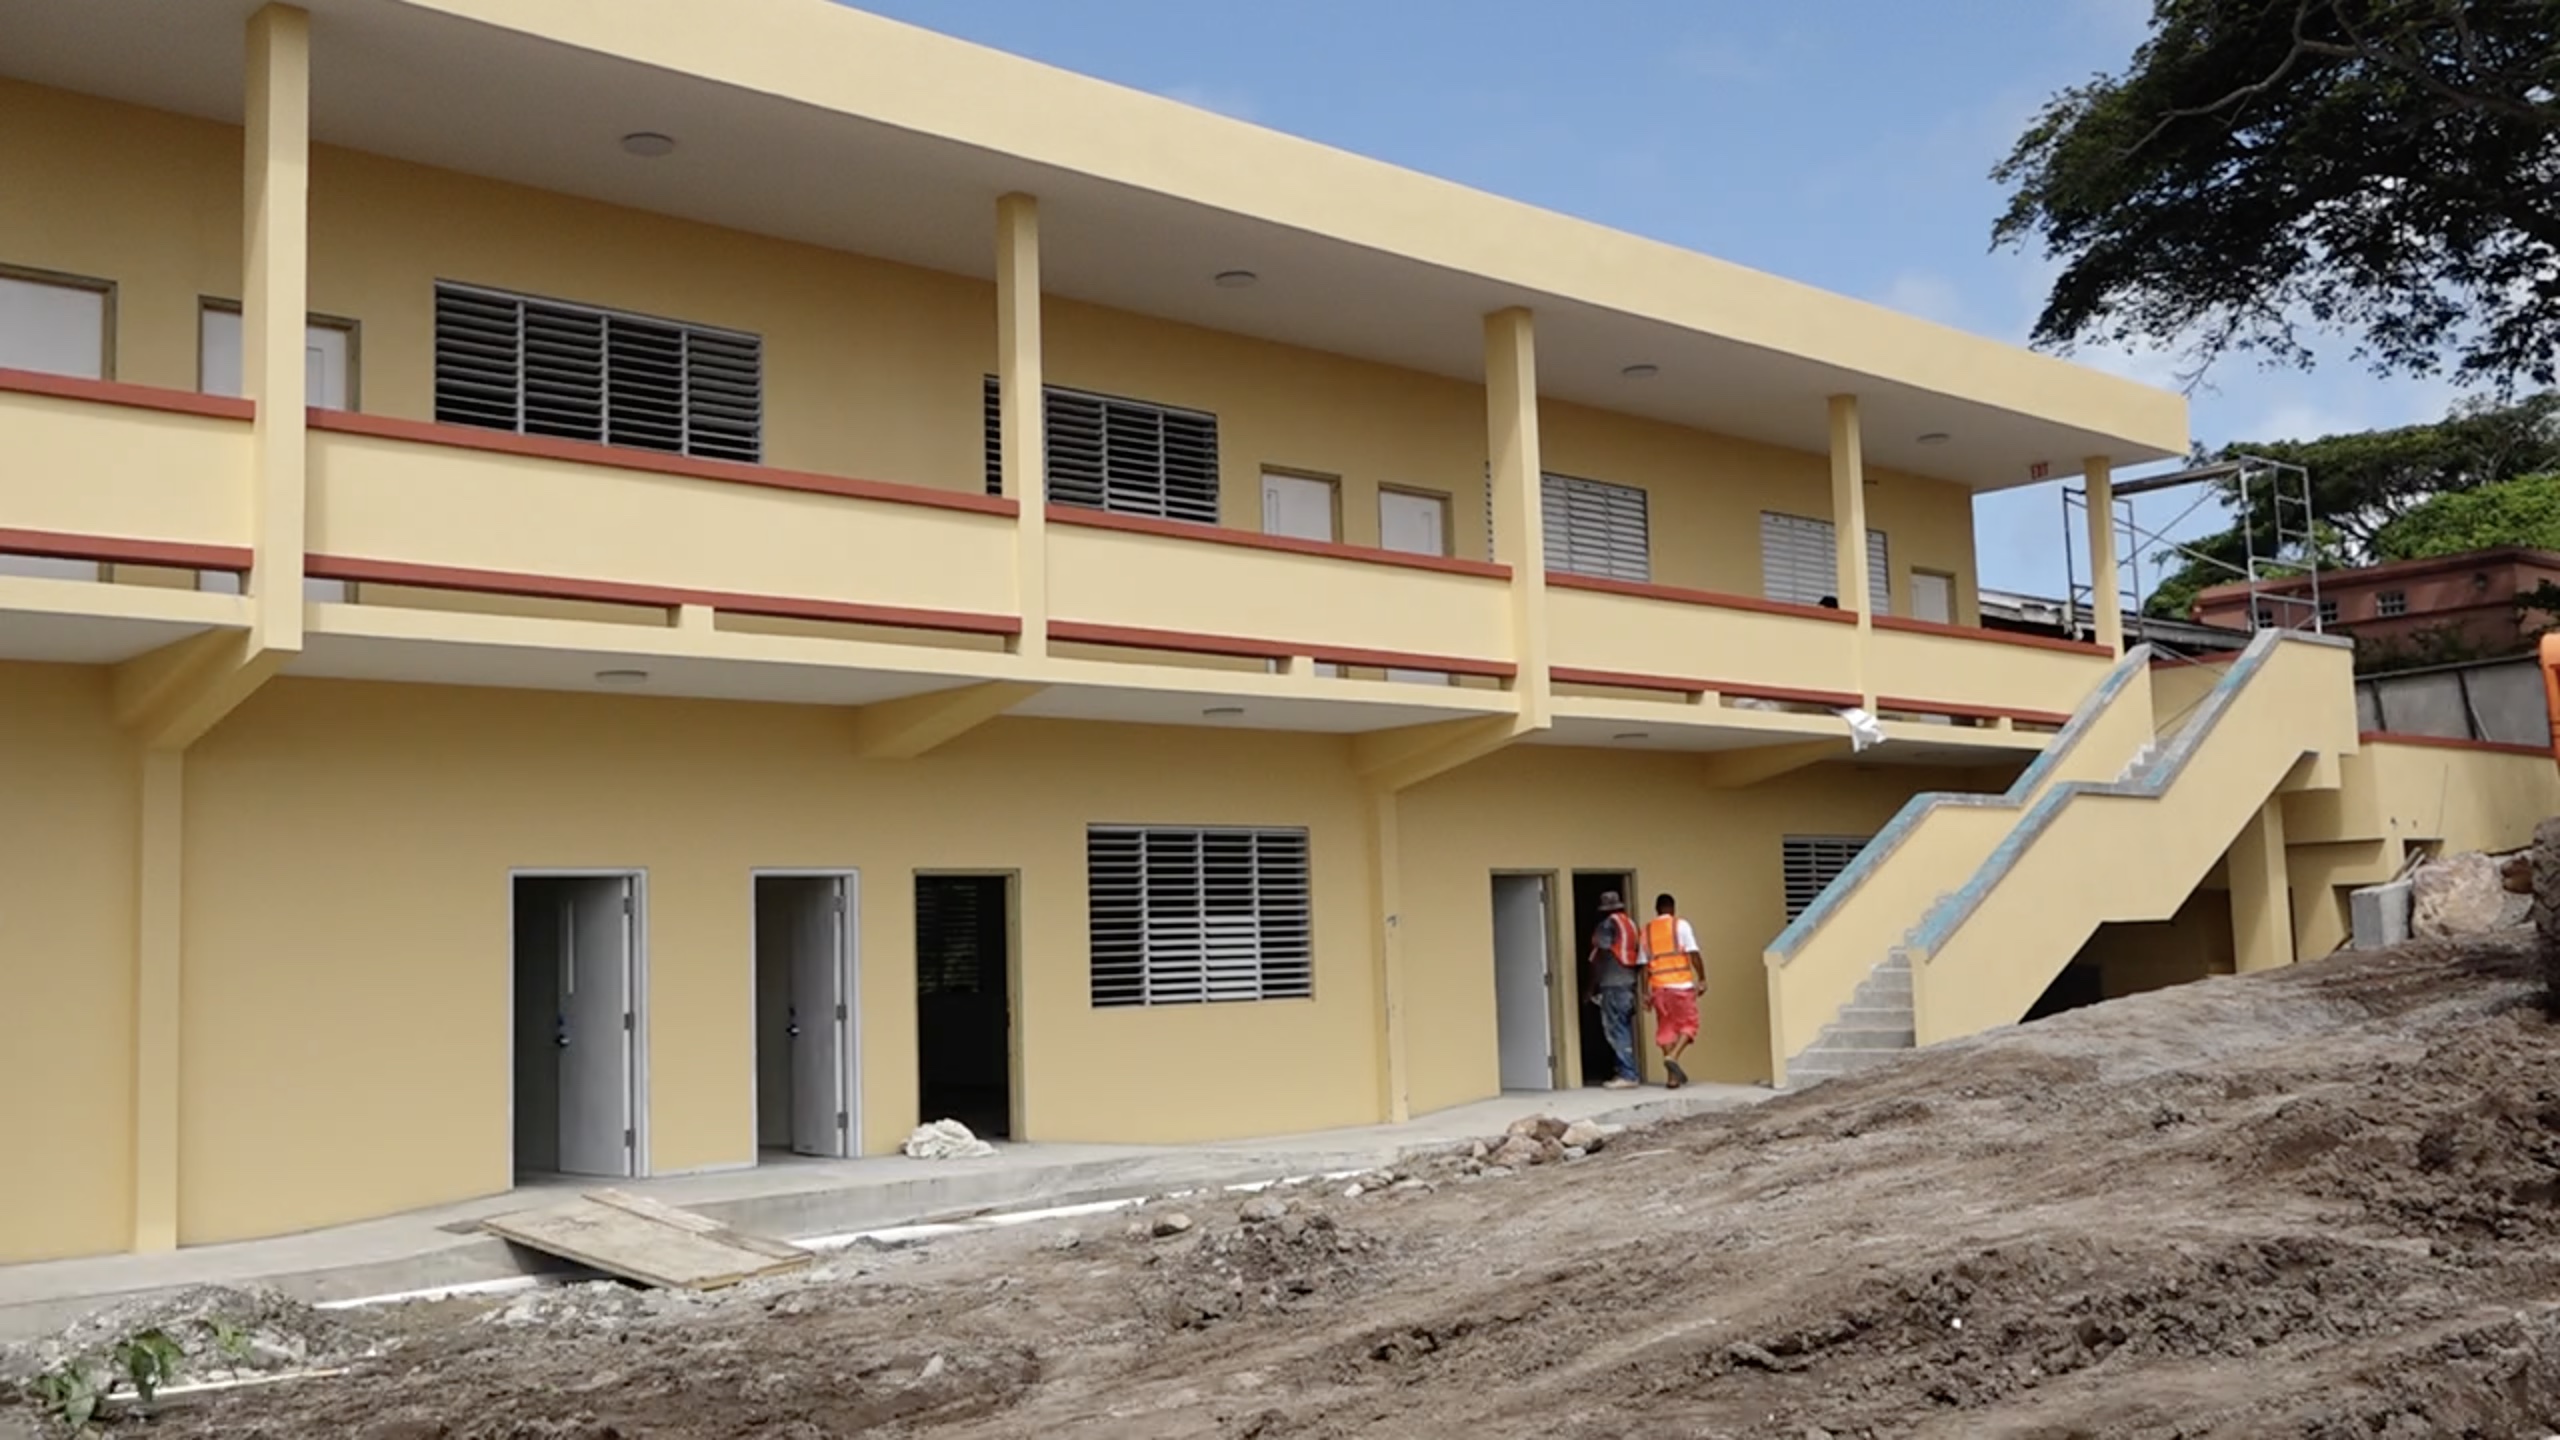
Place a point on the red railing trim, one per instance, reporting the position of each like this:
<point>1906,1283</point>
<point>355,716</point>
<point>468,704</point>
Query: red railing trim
<point>118,550</point>
<point>1711,598</point>
<point>1958,711</point>
<point>615,592</point>
<point>1193,642</point>
<point>2447,742</point>
<point>133,397</point>
<point>1910,626</point>
<point>1251,540</point>
<point>1682,685</point>
<point>727,472</point>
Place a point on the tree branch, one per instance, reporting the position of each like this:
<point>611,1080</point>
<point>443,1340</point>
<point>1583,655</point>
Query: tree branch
<point>2284,67</point>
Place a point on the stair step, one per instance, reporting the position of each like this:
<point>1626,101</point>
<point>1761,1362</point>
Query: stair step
<point>1876,1017</point>
<point>1860,1037</point>
<point>1874,993</point>
<point>1820,1064</point>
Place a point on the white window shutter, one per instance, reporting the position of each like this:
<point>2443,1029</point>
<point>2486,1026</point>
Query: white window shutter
<point>1797,565</point>
<point>1595,528</point>
<point>1198,916</point>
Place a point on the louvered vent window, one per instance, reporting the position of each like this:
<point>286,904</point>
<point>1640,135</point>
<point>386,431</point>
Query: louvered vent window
<point>1126,456</point>
<point>1798,564</point>
<point>572,372</point>
<point>1186,917</point>
<point>1811,863</point>
<point>1598,529</point>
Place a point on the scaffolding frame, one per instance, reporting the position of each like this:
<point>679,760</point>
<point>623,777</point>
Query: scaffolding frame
<point>2291,552</point>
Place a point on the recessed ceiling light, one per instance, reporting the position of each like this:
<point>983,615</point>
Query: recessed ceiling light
<point>1223,710</point>
<point>1641,371</point>
<point>622,677</point>
<point>1934,437</point>
<point>1632,735</point>
<point>648,144</point>
<point>1235,279</point>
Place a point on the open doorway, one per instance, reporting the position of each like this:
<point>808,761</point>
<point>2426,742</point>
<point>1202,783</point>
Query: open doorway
<point>1588,886</point>
<point>579,1058</point>
<point>806,1027</point>
<point>964,1001</point>
<point>1523,981</point>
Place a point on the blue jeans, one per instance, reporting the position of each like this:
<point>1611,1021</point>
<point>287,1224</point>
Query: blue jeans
<point>1618,1022</point>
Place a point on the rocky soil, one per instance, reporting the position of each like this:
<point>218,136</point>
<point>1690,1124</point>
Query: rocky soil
<point>2320,1203</point>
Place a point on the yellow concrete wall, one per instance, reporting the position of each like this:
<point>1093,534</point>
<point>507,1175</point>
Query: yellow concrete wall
<point>1534,808</point>
<point>347,967</point>
<point>1705,493</point>
<point>148,200</point>
<point>67,876</point>
<point>2465,799</point>
<point>872,369</point>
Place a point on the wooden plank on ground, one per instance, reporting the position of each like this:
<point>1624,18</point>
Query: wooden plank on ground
<point>649,1243</point>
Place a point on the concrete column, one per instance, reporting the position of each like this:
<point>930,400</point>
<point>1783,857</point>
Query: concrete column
<point>2103,589</point>
<point>1022,447</point>
<point>156,983</point>
<point>275,312</point>
<point>1849,527</point>
<point>1386,889</point>
<point>1519,530</point>
<point>2261,894</point>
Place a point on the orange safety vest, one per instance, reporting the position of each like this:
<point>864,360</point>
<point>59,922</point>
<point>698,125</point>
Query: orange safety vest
<point>1666,964</point>
<point>1622,941</point>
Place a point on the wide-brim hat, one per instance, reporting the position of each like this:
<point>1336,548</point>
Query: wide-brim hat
<point>1609,901</point>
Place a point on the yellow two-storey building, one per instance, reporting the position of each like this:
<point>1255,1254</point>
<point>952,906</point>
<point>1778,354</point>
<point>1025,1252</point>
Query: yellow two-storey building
<point>637,589</point>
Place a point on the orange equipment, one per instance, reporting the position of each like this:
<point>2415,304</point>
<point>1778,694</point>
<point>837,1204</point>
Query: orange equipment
<point>2551,686</point>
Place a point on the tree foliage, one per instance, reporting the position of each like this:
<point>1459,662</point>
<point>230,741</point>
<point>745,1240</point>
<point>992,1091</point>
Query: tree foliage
<point>2386,168</point>
<point>2366,484</point>
<point>2522,511</point>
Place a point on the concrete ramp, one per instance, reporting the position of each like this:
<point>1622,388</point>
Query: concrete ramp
<point>648,1243</point>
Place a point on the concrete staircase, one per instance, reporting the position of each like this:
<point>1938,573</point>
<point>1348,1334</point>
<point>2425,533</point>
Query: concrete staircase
<point>1878,1021</point>
<point>1875,1025</point>
<point>1976,902</point>
<point>1841,994</point>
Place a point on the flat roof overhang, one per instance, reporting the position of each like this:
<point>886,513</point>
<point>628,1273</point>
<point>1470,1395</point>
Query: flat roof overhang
<point>808,121</point>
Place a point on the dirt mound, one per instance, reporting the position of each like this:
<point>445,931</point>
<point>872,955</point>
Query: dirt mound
<point>1276,1260</point>
<point>2321,1203</point>
<point>218,1331</point>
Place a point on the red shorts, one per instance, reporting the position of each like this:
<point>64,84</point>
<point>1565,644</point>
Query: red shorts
<point>1675,1016</point>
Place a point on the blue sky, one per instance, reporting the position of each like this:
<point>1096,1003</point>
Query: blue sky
<point>1846,143</point>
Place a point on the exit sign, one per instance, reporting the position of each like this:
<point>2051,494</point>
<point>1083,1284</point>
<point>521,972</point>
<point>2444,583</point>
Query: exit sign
<point>2040,471</point>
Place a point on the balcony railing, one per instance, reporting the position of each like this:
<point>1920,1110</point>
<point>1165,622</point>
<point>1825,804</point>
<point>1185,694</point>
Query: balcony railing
<point>443,507</point>
<point>1119,580</point>
<point>396,503</point>
<point>168,484</point>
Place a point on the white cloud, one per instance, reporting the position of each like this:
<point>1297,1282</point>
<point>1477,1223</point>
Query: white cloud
<point>1234,104</point>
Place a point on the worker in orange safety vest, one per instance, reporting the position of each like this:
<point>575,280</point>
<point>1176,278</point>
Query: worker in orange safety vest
<point>1617,955</point>
<point>1674,973</point>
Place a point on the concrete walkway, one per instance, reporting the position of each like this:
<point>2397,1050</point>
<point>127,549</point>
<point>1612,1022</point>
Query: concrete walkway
<point>795,1199</point>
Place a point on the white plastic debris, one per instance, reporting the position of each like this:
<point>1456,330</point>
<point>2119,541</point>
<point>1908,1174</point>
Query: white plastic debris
<point>946,1140</point>
<point>1864,732</point>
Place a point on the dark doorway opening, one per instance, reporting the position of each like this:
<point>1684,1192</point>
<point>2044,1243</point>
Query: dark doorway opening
<point>964,1009</point>
<point>1597,1063</point>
